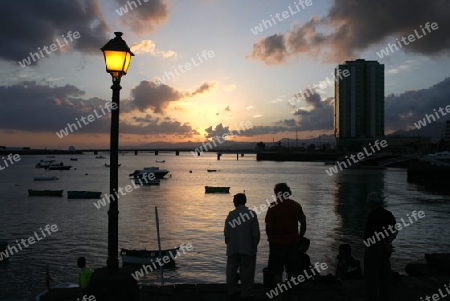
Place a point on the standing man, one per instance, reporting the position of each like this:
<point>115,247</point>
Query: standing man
<point>377,265</point>
<point>282,221</point>
<point>242,238</point>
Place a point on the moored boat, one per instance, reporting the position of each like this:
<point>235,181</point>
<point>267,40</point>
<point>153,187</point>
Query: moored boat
<point>59,167</point>
<point>46,178</point>
<point>148,171</point>
<point>217,189</point>
<point>73,194</point>
<point>147,256</point>
<point>73,159</point>
<point>66,285</point>
<point>45,192</point>
<point>143,181</point>
<point>160,161</point>
<point>211,170</point>
<point>44,163</point>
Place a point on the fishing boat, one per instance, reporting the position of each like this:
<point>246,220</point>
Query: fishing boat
<point>45,192</point>
<point>46,178</point>
<point>73,194</point>
<point>59,167</point>
<point>148,171</point>
<point>44,163</point>
<point>147,256</point>
<point>143,181</point>
<point>65,285</point>
<point>217,189</point>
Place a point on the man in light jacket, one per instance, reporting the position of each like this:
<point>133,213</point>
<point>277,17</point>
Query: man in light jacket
<point>242,238</point>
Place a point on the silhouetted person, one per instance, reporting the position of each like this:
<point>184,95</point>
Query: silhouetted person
<point>242,238</point>
<point>347,267</point>
<point>378,237</point>
<point>304,261</point>
<point>282,221</point>
<point>85,272</point>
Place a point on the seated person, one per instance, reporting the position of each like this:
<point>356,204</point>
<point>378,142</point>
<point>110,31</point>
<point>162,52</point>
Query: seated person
<point>347,267</point>
<point>85,273</point>
<point>304,261</point>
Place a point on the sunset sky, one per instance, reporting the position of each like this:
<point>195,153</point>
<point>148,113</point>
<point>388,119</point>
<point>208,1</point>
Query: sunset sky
<point>245,75</point>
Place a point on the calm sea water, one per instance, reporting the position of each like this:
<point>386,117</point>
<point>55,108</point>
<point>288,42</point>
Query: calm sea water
<point>335,208</point>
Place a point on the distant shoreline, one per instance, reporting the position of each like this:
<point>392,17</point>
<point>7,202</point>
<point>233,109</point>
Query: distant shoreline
<point>39,152</point>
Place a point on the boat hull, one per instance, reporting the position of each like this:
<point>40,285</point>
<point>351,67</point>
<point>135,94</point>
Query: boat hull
<point>150,172</point>
<point>46,178</point>
<point>66,167</point>
<point>148,182</point>
<point>217,189</point>
<point>83,195</point>
<point>131,257</point>
<point>32,192</point>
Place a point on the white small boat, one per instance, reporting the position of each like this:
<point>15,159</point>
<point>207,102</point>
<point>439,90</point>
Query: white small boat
<point>46,178</point>
<point>62,285</point>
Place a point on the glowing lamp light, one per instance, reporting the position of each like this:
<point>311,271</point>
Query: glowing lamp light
<point>117,56</point>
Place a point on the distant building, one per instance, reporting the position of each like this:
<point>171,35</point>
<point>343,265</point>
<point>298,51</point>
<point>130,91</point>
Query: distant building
<point>359,101</point>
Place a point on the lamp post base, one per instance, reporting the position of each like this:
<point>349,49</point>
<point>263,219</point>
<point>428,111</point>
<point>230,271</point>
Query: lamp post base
<point>110,286</point>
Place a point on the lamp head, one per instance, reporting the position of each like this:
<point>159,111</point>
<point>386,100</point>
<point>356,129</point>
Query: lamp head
<point>117,56</point>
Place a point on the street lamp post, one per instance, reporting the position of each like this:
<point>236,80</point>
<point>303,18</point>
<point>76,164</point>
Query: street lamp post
<point>117,58</point>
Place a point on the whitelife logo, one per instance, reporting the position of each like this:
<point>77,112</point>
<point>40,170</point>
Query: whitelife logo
<point>378,236</point>
<point>11,250</point>
<point>265,24</point>
<point>35,56</point>
<point>423,122</point>
<point>411,38</point>
<point>360,155</point>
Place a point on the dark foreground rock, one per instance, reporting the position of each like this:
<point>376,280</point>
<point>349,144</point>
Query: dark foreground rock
<point>409,288</point>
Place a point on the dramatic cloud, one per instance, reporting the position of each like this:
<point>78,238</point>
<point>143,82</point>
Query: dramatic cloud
<point>263,130</point>
<point>148,46</point>
<point>353,26</point>
<point>149,95</point>
<point>149,125</point>
<point>38,108</point>
<point>402,111</point>
<point>142,18</point>
<point>271,50</point>
<point>29,106</point>
<point>319,117</point>
<point>218,130</point>
<point>33,24</point>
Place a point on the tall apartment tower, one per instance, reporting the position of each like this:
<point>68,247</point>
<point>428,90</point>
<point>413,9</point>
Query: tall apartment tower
<point>359,100</point>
